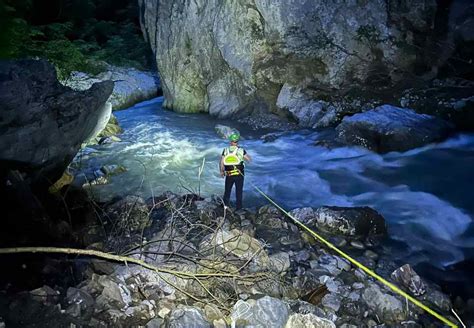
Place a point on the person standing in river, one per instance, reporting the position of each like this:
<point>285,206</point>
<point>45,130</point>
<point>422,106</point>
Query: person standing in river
<point>232,167</point>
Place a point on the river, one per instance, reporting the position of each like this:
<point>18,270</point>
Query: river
<point>425,194</point>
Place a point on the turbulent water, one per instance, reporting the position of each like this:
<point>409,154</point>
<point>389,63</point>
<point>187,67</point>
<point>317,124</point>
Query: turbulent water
<point>425,194</point>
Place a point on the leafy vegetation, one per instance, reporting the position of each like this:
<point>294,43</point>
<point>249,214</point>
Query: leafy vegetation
<point>74,34</point>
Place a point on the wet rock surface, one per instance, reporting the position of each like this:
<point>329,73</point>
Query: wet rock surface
<point>239,278</point>
<point>388,128</point>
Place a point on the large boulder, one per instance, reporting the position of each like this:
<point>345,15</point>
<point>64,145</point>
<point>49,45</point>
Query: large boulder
<point>345,221</point>
<point>388,128</point>
<point>44,123</point>
<point>131,85</point>
<point>230,58</point>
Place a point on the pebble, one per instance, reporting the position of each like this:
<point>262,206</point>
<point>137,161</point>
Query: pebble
<point>358,285</point>
<point>357,244</point>
<point>338,241</point>
<point>371,254</point>
<point>360,274</point>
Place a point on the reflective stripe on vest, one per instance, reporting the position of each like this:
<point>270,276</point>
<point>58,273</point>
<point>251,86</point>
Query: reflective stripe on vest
<point>232,172</point>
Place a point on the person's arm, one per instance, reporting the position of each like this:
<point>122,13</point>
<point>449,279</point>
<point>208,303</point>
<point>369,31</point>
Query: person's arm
<point>247,156</point>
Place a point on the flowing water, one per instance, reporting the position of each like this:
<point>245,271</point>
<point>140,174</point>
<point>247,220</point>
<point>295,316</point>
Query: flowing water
<point>425,194</point>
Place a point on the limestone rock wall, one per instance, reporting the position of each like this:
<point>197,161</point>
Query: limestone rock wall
<point>230,58</point>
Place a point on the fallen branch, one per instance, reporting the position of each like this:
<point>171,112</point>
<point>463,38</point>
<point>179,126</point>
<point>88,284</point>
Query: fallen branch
<point>123,259</point>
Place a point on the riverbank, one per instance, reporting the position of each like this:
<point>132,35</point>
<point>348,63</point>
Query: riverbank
<point>252,268</point>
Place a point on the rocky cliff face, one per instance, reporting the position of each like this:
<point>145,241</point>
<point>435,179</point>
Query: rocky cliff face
<point>43,123</point>
<point>231,58</point>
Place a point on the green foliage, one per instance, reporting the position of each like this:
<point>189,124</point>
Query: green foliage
<point>73,34</point>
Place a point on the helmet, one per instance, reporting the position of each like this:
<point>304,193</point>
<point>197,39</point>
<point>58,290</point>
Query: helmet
<point>234,137</point>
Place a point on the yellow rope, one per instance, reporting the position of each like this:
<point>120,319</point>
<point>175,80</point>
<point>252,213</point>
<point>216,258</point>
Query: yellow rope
<point>358,264</point>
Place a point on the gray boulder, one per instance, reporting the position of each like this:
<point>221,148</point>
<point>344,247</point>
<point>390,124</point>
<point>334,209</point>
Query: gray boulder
<point>225,131</point>
<point>44,123</point>
<point>131,85</point>
<point>387,307</point>
<point>388,128</point>
<point>266,312</point>
<point>347,221</point>
<point>188,317</point>
<point>230,58</point>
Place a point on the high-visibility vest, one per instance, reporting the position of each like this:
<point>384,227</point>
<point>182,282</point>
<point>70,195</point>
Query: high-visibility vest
<point>233,158</point>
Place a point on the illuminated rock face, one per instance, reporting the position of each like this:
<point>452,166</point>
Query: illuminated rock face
<point>232,58</point>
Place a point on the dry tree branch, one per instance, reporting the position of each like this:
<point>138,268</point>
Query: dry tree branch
<point>119,258</point>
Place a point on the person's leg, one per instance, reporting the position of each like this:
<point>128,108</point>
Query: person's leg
<point>239,186</point>
<point>228,187</point>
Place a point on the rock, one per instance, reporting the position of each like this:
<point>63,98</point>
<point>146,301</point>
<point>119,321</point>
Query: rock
<point>330,263</point>
<point>143,312</point>
<point>408,278</point>
<point>302,256</point>
<point>371,254</point>
<point>354,296</point>
<point>279,262</point>
<point>113,169</point>
<point>129,214</point>
<point>45,295</point>
<point>307,112</point>
<point>269,137</point>
<point>219,323</point>
<point>451,99</point>
<point>332,284</point>
<point>266,312</point>
<point>212,312</point>
<point>304,215</point>
<point>113,294</point>
<point>224,131</point>
<point>308,321</point>
<point>357,244</point>
<point>155,323</point>
<point>388,308</point>
<point>388,128</point>
<point>82,301</point>
<point>349,221</point>
<point>331,301</point>
<point>437,298</point>
<point>242,246</point>
<point>131,85</point>
<point>230,59</point>
<point>188,317</point>
<point>54,121</point>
